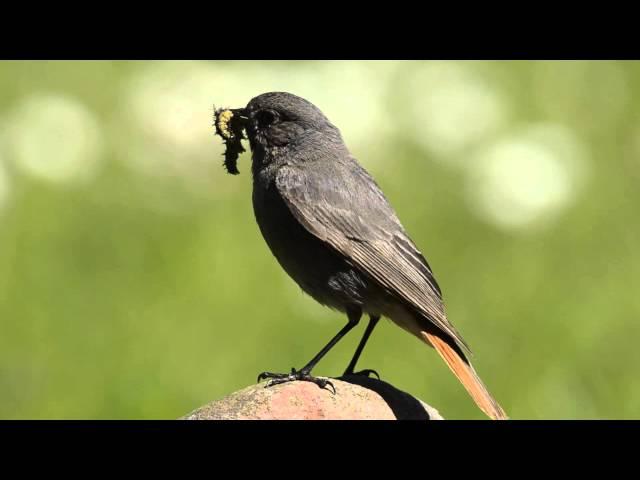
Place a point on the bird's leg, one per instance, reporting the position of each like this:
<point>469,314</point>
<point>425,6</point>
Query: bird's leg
<point>373,320</point>
<point>304,374</point>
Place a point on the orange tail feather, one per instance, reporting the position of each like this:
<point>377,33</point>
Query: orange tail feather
<point>467,376</point>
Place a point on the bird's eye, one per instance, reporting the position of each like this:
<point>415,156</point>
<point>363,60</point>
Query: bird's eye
<point>266,118</point>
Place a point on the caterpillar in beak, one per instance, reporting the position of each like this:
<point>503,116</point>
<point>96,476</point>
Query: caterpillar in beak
<point>229,125</point>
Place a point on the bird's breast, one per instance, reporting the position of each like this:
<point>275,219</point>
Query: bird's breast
<point>313,265</point>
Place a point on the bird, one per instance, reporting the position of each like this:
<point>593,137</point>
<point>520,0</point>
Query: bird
<point>334,232</point>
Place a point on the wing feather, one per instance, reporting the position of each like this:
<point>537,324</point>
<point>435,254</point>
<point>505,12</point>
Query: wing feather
<point>359,222</point>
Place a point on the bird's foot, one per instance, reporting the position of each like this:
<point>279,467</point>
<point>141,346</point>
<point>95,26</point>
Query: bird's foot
<point>277,378</point>
<point>366,373</point>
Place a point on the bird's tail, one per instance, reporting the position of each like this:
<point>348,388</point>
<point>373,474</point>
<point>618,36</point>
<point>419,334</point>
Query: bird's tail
<point>462,369</point>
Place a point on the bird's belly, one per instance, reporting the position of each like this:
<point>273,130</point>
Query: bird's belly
<point>313,265</point>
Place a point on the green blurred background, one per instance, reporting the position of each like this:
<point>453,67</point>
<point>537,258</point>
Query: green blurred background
<point>134,282</point>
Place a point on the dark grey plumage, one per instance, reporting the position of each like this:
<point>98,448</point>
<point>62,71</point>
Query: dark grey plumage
<point>334,232</point>
<point>327,221</point>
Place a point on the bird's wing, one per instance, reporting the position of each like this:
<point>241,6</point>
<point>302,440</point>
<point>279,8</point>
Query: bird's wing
<point>352,215</point>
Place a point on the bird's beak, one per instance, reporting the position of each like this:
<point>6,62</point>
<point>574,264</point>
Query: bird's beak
<point>241,114</point>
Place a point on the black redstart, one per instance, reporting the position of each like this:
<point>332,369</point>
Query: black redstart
<point>333,231</point>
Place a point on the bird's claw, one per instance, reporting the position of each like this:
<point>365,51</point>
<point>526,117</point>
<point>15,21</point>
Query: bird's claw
<point>265,375</point>
<point>278,378</point>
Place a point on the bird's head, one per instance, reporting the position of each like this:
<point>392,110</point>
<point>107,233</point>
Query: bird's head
<point>272,121</point>
<point>276,119</point>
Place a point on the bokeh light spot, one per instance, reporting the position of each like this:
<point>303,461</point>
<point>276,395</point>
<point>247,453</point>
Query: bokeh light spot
<point>54,138</point>
<point>523,179</point>
<point>451,108</point>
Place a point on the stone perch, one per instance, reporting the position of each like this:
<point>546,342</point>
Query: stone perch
<point>357,398</point>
